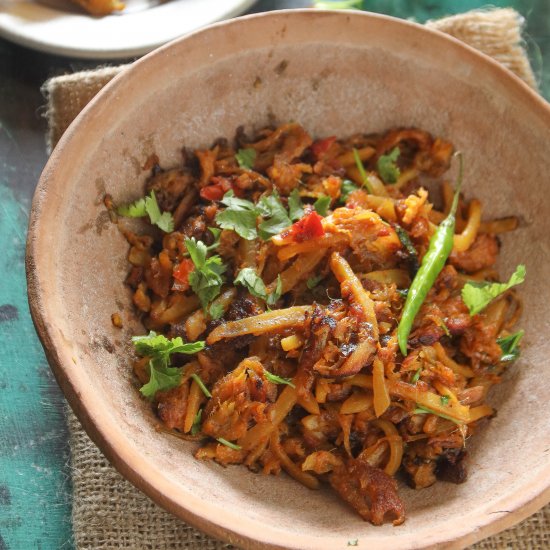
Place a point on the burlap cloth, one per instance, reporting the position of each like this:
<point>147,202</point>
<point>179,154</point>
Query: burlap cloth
<point>108,512</point>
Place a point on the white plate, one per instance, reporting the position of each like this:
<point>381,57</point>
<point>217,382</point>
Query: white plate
<point>145,24</point>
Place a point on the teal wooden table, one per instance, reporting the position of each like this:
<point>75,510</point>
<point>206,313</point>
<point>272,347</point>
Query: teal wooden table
<point>35,485</point>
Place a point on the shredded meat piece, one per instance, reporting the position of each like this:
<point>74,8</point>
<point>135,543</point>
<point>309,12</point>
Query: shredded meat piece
<point>482,254</point>
<point>372,492</point>
<point>373,242</point>
<point>169,187</point>
<point>452,467</point>
<point>240,397</point>
<point>317,330</point>
<point>172,405</point>
<point>286,176</point>
<point>479,344</point>
<point>421,474</point>
<point>207,160</point>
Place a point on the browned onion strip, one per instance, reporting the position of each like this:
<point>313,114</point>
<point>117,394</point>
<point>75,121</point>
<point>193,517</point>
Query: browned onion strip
<point>381,394</point>
<point>396,445</point>
<point>361,357</point>
<point>324,242</point>
<point>260,433</point>
<point>349,281</point>
<point>270,321</point>
<point>292,469</point>
<point>299,270</point>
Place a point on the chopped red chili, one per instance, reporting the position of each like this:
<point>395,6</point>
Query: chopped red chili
<point>181,273</point>
<point>321,146</point>
<point>306,228</point>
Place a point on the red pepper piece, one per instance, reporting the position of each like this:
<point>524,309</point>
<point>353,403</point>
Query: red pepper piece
<point>306,228</point>
<point>218,188</point>
<point>181,273</point>
<point>321,146</point>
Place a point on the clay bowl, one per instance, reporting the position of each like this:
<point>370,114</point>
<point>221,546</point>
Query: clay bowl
<point>336,73</point>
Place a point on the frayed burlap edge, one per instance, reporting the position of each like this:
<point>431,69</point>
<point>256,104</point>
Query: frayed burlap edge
<point>68,94</point>
<point>496,33</point>
<point>111,514</point>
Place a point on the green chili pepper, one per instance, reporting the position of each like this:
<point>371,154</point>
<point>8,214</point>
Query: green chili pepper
<point>439,249</point>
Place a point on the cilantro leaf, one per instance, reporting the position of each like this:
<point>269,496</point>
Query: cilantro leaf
<point>246,158</point>
<point>444,399</point>
<point>148,206</point>
<point>477,295</point>
<point>346,189</point>
<point>163,220</point>
<point>158,346</point>
<point>272,208</point>
<point>388,170</point>
<point>321,205</point>
<point>197,251</point>
<point>248,278</point>
<point>295,207</point>
<point>239,216</point>
<point>216,233</point>
<point>206,279</point>
<point>276,294</point>
<point>134,210</point>
<point>215,311</point>
<point>161,378</point>
<point>277,379</point>
<point>312,282</point>
<point>233,446</point>
<point>510,346</point>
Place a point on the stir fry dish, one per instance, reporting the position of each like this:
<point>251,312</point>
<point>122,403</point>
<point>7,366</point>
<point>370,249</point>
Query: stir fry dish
<point>311,308</point>
<point>100,7</point>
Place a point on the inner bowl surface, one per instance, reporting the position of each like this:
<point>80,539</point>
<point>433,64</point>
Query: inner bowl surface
<point>336,74</point>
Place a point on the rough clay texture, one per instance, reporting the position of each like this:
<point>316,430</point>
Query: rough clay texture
<point>108,512</point>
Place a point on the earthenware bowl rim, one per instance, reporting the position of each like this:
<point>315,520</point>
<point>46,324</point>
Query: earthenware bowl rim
<point>100,427</point>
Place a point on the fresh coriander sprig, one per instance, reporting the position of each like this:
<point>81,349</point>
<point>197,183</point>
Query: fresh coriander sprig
<point>239,215</point>
<point>346,189</point>
<point>159,348</point>
<point>321,205</point>
<point>148,206</point>
<point>295,206</point>
<point>387,167</point>
<point>206,279</point>
<point>246,158</point>
<point>274,214</point>
<point>248,278</point>
<point>265,219</point>
<point>510,346</point>
<point>477,295</point>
